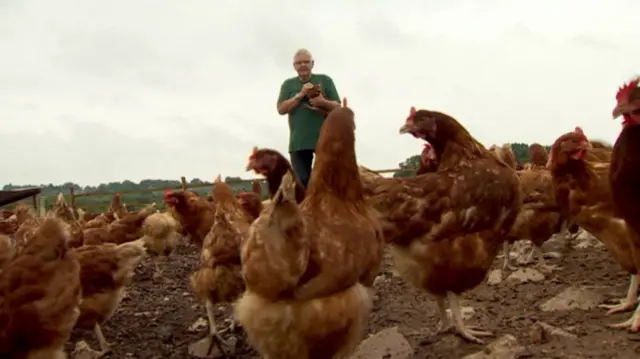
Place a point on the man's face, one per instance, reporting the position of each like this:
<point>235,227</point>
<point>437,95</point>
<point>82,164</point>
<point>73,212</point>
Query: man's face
<point>303,64</point>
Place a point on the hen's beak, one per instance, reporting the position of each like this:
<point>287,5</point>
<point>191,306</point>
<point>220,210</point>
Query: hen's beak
<point>407,128</point>
<point>617,111</point>
<point>251,165</point>
<point>623,108</point>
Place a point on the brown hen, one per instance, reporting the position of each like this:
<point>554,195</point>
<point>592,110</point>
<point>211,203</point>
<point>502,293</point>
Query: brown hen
<point>125,229</point>
<point>428,160</point>
<point>251,202</point>
<point>39,296</point>
<point>305,266</point>
<point>219,278</point>
<point>505,154</point>
<point>105,271</point>
<point>583,193</point>
<point>273,165</point>
<point>161,235</point>
<point>194,213</point>
<point>447,227</point>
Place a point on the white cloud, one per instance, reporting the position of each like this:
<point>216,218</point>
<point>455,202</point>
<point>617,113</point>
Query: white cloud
<point>99,91</point>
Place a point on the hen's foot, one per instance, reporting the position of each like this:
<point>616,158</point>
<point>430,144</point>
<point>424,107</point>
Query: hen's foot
<point>226,349</point>
<point>623,306</point>
<point>444,328</point>
<point>469,333</point>
<point>472,333</point>
<point>632,324</point>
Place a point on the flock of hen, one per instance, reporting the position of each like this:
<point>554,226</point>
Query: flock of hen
<point>300,266</point>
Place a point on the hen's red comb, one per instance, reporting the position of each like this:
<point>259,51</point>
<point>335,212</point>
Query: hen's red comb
<point>412,113</point>
<point>254,152</point>
<point>427,145</point>
<point>625,91</point>
<point>168,192</point>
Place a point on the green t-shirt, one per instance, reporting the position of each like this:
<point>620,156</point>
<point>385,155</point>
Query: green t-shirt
<point>305,123</point>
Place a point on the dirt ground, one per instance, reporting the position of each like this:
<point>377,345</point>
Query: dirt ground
<point>153,320</point>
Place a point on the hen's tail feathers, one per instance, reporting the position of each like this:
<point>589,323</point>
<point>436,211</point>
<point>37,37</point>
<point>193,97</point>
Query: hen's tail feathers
<point>222,192</point>
<point>288,187</point>
<point>60,198</point>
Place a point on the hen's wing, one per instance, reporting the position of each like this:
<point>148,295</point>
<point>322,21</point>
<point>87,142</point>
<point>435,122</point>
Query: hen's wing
<point>410,205</point>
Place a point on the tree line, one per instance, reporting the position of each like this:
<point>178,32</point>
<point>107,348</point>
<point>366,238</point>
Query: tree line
<point>156,187</point>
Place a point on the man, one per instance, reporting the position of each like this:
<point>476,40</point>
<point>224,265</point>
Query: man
<point>306,115</point>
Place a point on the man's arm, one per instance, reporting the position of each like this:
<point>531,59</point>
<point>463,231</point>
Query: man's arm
<point>286,105</point>
<point>333,99</point>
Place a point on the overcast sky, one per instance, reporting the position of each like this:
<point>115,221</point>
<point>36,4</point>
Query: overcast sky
<point>95,91</point>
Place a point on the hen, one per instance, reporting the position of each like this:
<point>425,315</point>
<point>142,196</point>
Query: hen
<point>39,296</point>
<point>505,154</point>
<point>447,227</point>
<point>428,160</point>
<point>116,207</point>
<point>305,265</point>
<point>273,165</point>
<point>194,213</point>
<point>624,177</point>
<point>125,229</point>
<point>219,278</point>
<point>538,218</point>
<point>161,235</point>
<point>538,156</point>
<point>105,271</point>
<point>583,193</point>
<point>64,212</point>
<point>251,202</point>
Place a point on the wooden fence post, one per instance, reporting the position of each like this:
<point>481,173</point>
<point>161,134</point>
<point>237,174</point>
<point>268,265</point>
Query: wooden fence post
<point>183,183</point>
<point>72,199</point>
<point>43,206</point>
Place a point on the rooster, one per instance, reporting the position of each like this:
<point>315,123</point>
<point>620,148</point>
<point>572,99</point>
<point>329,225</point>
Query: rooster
<point>624,175</point>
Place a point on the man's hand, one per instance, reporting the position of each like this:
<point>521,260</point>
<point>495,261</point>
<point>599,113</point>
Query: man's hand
<point>305,89</point>
<point>318,101</point>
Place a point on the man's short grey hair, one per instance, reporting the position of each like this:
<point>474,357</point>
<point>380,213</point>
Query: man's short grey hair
<point>303,52</point>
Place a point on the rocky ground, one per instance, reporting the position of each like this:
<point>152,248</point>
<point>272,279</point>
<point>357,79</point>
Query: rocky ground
<point>533,315</point>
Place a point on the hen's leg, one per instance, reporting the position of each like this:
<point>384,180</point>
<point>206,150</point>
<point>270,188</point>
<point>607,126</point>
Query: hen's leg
<point>532,253</point>
<point>214,335</point>
<point>632,324</point>
<point>630,301</point>
<point>105,347</point>
<point>506,250</point>
<point>466,332</point>
<point>445,324</point>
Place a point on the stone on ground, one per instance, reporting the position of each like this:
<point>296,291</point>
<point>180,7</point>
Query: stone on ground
<point>388,343</point>
<point>573,298</point>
